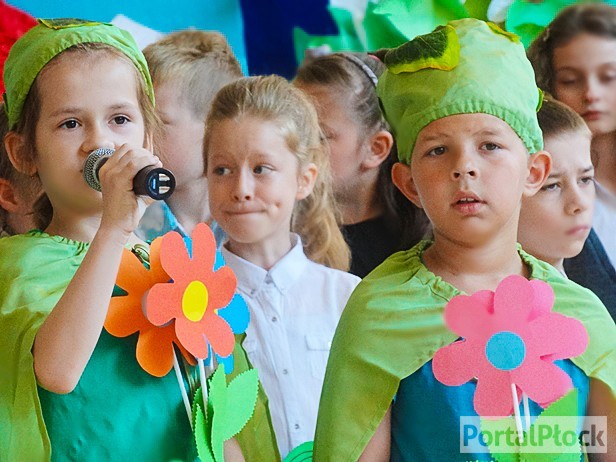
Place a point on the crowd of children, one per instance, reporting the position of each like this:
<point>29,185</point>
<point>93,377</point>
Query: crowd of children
<point>428,171</point>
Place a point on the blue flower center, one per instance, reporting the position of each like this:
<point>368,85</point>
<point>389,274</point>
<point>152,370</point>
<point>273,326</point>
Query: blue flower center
<point>505,351</point>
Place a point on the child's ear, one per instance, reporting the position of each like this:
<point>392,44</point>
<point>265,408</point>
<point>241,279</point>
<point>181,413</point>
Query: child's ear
<point>402,176</point>
<point>306,179</point>
<point>8,199</point>
<point>380,147</point>
<point>539,166</point>
<point>16,149</point>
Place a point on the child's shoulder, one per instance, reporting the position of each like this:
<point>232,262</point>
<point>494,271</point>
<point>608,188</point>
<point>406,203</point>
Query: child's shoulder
<point>34,249</point>
<point>333,276</point>
<point>403,283</point>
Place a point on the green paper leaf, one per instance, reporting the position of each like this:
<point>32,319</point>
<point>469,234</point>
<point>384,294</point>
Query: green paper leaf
<point>528,19</point>
<point>242,395</point>
<point>347,40</point>
<point>217,400</point>
<point>379,30</point>
<point>477,8</point>
<point>416,17</point>
<point>301,453</point>
<point>564,407</point>
<point>437,50</point>
<point>201,433</point>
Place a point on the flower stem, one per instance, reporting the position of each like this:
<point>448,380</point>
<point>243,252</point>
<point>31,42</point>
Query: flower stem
<point>178,375</point>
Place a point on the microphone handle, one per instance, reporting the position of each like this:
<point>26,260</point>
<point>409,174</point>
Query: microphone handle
<point>156,182</point>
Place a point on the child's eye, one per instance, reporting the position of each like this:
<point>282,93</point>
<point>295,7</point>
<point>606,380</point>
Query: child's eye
<point>551,187</point>
<point>220,171</point>
<point>587,180</point>
<point>438,151</point>
<point>69,124</point>
<point>490,146</point>
<point>261,169</point>
<point>120,120</point>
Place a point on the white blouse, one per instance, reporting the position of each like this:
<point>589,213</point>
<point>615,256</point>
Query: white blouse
<point>294,309</point>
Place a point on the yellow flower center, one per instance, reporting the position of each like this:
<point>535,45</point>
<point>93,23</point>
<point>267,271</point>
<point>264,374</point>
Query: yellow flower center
<point>194,301</point>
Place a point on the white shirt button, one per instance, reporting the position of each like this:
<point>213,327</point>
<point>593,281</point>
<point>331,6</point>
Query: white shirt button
<point>285,371</point>
<point>274,319</point>
<point>296,426</point>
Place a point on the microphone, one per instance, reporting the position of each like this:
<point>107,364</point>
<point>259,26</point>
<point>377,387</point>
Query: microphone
<point>156,182</point>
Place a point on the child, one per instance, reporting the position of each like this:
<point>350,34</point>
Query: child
<point>269,190</point>
<point>17,192</point>
<point>574,61</point>
<point>68,388</point>
<point>555,222</point>
<point>461,102</point>
<point>377,219</point>
<point>187,69</point>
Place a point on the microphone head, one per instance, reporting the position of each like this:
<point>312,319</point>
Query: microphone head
<point>93,163</point>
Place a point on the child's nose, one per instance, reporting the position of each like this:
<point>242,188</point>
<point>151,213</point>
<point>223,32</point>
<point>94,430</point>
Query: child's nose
<point>243,190</point>
<point>579,200</point>
<point>592,90</point>
<point>96,137</point>
<point>464,166</point>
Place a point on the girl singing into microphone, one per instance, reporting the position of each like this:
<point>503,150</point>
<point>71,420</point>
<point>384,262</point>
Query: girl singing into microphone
<point>68,387</point>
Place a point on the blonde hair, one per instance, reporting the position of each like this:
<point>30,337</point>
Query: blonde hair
<point>272,98</point>
<point>198,62</point>
<point>26,125</point>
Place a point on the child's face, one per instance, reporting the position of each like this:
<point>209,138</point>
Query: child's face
<point>555,222</point>
<point>86,103</point>
<point>343,136</point>
<point>468,172</point>
<point>181,144</point>
<point>585,80</point>
<point>254,181</point>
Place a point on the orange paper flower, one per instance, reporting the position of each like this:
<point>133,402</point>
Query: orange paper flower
<point>126,316</point>
<point>195,295</point>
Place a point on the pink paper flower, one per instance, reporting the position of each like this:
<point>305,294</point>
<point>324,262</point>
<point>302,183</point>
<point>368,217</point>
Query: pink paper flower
<point>509,336</point>
<point>195,295</point>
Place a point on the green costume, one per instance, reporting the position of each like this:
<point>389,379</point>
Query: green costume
<point>393,324</point>
<point>146,420</point>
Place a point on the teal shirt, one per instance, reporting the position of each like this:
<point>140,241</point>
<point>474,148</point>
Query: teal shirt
<point>116,412</point>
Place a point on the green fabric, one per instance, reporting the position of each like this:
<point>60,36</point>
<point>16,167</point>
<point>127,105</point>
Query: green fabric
<point>147,420</point>
<point>257,439</point>
<point>466,67</point>
<point>49,38</point>
<point>393,324</point>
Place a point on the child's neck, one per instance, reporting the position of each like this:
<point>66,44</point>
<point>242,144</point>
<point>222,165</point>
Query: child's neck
<point>262,254</point>
<point>604,159</point>
<point>359,204</point>
<point>473,268</point>
<point>74,228</point>
<point>190,204</point>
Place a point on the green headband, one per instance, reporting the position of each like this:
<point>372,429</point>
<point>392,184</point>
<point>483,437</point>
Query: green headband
<point>49,38</point>
<point>468,66</point>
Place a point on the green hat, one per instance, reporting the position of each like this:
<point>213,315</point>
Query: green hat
<point>49,38</point>
<point>468,66</point>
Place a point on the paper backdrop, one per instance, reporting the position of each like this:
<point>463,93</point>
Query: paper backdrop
<point>261,32</point>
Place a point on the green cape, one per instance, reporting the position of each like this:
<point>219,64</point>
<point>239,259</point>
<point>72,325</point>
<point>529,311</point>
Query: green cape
<point>393,324</point>
<point>35,270</point>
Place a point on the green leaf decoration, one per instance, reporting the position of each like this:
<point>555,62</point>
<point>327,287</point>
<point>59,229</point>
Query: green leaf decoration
<point>566,406</point>
<point>528,19</point>
<point>301,453</point>
<point>200,432</point>
<point>497,30</point>
<point>477,8</point>
<point>229,408</point>
<point>415,17</point>
<point>437,50</point>
<point>244,390</point>
<point>347,40</point>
